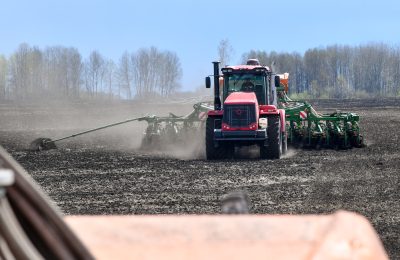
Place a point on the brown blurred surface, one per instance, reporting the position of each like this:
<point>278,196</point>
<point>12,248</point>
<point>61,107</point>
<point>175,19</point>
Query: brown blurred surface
<point>341,235</point>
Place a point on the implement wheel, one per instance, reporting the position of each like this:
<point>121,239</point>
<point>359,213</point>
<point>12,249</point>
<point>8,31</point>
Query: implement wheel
<point>273,150</point>
<point>213,151</point>
<point>357,141</point>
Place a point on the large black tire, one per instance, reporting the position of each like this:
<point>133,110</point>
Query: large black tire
<point>222,151</point>
<point>273,150</point>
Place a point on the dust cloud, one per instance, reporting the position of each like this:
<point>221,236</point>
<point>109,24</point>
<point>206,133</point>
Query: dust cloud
<point>191,147</point>
<point>56,119</point>
<point>290,153</point>
<point>247,152</point>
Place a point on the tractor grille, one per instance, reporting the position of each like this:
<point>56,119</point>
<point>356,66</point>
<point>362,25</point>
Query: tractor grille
<point>239,115</point>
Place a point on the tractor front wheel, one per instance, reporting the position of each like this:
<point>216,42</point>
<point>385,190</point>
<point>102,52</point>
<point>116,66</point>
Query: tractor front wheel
<point>213,151</point>
<point>273,149</point>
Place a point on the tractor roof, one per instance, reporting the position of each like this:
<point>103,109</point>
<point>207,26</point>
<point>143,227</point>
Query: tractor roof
<point>243,68</point>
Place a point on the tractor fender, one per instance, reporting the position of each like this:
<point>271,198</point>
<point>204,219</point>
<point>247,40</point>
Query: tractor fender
<point>215,113</point>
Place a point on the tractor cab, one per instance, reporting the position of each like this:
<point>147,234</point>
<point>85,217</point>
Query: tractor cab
<point>248,78</point>
<point>246,82</point>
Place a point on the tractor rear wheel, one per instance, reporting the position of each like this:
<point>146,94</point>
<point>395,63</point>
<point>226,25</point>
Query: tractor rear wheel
<point>213,152</point>
<point>273,150</point>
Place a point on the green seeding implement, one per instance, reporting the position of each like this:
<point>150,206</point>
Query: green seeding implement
<point>308,128</point>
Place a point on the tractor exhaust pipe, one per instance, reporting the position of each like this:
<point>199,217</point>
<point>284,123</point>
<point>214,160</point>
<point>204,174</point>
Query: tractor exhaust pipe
<point>217,98</point>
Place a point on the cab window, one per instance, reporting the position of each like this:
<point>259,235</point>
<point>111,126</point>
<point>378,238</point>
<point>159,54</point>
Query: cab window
<point>245,83</point>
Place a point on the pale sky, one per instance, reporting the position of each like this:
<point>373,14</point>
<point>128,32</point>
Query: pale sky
<point>193,29</point>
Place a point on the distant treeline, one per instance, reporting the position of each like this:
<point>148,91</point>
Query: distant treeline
<point>61,72</point>
<point>338,71</point>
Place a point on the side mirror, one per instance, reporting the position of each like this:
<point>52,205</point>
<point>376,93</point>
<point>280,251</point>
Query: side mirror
<point>208,82</point>
<point>277,81</point>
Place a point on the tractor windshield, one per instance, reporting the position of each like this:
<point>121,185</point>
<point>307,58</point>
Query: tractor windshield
<point>246,83</point>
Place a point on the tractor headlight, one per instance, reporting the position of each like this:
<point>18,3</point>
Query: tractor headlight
<point>263,122</point>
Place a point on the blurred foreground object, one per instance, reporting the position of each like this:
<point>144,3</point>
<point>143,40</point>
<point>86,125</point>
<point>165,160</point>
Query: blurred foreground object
<point>30,227</point>
<point>237,202</point>
<point>342,235</point>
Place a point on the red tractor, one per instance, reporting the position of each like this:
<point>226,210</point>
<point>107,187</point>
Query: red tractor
<point>248,113</point>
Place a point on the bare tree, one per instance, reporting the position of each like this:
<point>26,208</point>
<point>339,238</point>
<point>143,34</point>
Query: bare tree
<point>74,70</point>
<point>141,68</point>
<point>35,73</point>
<point>109,77</point>
<point>19,71</point>
<point>155,72</point>
<point>124,74</point>
<point>225,52</point>
<point>61,70</point>
<point>170,73</point>
<point>95,68</point>
<point>262,56</point>
<point>3,77</point>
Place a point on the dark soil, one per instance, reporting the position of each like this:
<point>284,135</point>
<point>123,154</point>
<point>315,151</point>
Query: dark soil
<point>104,173</point>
